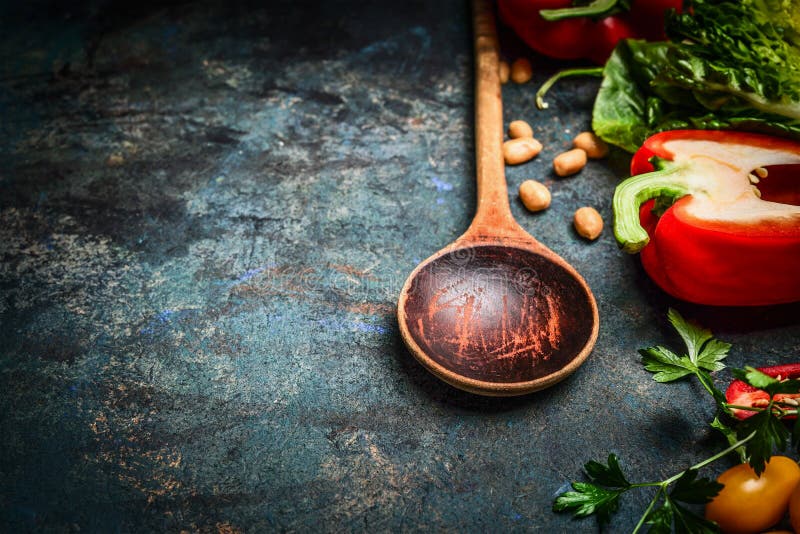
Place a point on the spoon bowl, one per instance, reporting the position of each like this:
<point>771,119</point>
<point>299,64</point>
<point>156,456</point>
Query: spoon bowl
<point>496,313</point>
<point>497,319</point>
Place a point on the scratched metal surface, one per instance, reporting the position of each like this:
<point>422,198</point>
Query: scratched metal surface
<point>206,213</point>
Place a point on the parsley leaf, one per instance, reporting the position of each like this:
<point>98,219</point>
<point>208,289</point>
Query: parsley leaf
<point>666,365</point>
<point>692,490</point>
<point>600,496</point>
<point>694,336</point>
<point>770,433</point>
<point>660,520</point>
<point>705,354</point>
<point>763,381</point>
<point>714,351</point>
<point>796,434</point>
<point>610,475</point>
<point>689,522</point>
<point>588,499</point>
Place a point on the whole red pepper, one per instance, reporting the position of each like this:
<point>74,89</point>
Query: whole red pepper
<point>589,32</point>
<point>726,228</point>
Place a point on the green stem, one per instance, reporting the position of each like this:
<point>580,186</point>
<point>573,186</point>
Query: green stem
<point>748,408</point>
<point>712,459</point>
<point>647,511</point>
<point>635,191</point>
<point>784,412</point>
<point>714,392</point>
<point>583,71</point>
<point>598,8</point>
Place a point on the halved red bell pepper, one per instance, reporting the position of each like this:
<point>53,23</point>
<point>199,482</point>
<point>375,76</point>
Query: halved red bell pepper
<point>558,29</point>
<point>740,393</point>
<point>719,233</point>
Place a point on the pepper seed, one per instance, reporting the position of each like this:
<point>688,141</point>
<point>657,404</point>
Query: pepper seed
<point>761,172</point>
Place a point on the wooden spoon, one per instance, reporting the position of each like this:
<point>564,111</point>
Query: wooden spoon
<point>496,313</point>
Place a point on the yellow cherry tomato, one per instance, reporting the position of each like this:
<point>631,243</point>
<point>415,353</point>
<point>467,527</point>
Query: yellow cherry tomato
<point>749,503</point>
<point>794,508</point>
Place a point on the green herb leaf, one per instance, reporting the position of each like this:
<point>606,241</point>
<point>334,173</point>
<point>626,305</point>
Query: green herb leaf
<point>730,436</point>
<point>714,351</point>
<point>660,520</point>
<point>689,522</point>
<point>763,381</point>
<point>796,434</point>
<point>694,336</point>
<point>704,354</point>
<point>610,475</point>
<point>770,434</point>
<point>690,489</point>
<point>728,432</point>
<point>666,365</point>
<point>589,499</point>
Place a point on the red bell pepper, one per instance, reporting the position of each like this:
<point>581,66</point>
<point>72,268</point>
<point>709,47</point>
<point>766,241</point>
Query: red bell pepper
<point>557,29</point>
<point>716,234</point>
<point>740,393</point>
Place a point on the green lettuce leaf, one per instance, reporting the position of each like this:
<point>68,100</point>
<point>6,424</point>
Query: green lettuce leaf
<point>729,65</point>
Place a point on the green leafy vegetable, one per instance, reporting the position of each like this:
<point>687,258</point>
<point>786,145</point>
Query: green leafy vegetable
<point>730,64</point>
<point>610,475</point>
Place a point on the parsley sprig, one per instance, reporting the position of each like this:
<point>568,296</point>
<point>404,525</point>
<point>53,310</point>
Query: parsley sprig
<point>754,439</point>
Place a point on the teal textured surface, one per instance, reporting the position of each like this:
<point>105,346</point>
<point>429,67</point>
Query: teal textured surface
<point>207,211</point>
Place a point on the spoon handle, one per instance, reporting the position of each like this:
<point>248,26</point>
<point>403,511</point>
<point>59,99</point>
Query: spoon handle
<point>493,211</point>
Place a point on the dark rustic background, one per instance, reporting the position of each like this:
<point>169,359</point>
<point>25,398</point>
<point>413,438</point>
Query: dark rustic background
<point>207,210</point>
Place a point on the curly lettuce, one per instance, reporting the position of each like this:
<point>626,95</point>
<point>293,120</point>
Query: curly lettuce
<point>728,65</point>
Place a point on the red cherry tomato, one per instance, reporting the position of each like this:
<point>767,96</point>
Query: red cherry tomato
<point>748,503</point>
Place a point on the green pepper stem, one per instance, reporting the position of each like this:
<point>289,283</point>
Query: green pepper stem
<point>583,71</point>
<point>669,181</point>
<point>598,8</point>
